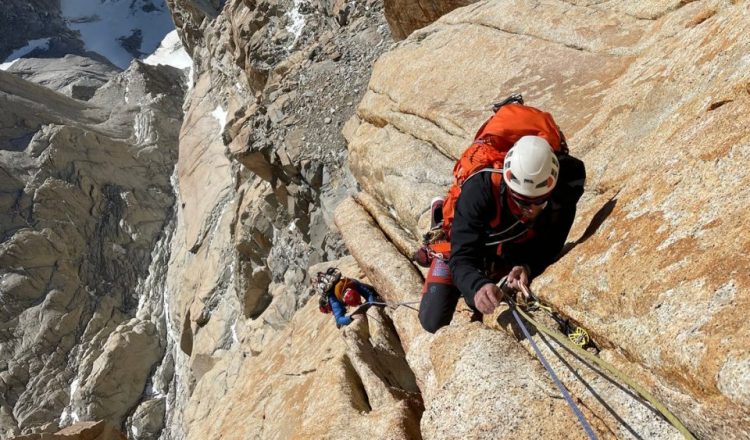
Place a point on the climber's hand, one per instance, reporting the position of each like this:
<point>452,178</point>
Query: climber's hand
<point>487,298</point>
<point>517,277</point>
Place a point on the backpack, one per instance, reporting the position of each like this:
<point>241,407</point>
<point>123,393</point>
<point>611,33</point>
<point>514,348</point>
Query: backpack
<point>324,282</point>
<point>511,121</point>
<point>343,288</point>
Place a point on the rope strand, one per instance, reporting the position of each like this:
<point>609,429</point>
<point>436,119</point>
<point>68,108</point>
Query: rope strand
<point>560,386</point>
<point>663,410</point>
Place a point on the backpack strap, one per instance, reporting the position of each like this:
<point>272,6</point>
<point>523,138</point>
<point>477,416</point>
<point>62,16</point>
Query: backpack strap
<point>497,181</point>
<point>498,171</point>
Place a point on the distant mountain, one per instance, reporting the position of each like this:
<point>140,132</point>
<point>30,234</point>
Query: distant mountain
<point>115,30</point>
<point>120,30</point>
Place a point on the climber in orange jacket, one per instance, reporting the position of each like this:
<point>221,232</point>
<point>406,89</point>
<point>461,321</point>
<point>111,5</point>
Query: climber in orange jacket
<point>511,221</point>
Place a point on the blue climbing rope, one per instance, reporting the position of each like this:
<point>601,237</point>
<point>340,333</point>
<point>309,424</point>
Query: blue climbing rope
<point>566,395</point>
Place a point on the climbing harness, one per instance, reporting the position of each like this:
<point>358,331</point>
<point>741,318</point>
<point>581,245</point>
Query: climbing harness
<point>576,349</point>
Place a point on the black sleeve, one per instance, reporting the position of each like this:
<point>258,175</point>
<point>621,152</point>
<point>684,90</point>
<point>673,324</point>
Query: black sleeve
<point>544,248</point>
<point>474,210</point>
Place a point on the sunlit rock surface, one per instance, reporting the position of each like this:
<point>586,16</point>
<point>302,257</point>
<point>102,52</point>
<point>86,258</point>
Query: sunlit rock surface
<point>652,98</point>
<point>79,431</point>
<point>261,167</point>
<point>172,297</point>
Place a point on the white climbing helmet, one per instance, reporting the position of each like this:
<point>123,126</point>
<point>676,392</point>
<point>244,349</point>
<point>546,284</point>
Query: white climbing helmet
<point>531,167</point>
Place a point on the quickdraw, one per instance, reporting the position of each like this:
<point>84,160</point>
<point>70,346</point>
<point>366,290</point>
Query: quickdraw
<point>438,255</point>
<point>577,335</point>
<point>434,238</point>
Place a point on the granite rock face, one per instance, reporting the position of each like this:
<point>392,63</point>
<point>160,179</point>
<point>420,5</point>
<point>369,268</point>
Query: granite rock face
<point>477,382</point>
<point>650,97</point>
<point>72,75</point>
<point>190,16</point>
<point>312,381</point>
<point>86,196</point>
<point>163,286</point>
<point>261,165</point>
<point>79,431</point>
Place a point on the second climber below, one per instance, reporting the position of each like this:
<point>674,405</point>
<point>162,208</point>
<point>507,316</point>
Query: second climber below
<point>337,293</point>
<point>512,220</point>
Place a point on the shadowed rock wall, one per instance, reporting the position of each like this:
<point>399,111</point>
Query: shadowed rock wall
<point>261,165</point>
<point>406,16</point>
<point>86,195</point>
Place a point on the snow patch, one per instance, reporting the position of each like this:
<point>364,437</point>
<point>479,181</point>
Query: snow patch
<point>296,20</point>
<point>6,66</point>
<point>221,115</point>
<point>170,53</point>
<point>74,387</point>
<point>42,43</point>
<point>142,128</point>
<point>69,417</point>
<point>234,332</point>
<point>107,26</point>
